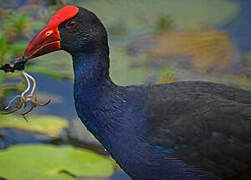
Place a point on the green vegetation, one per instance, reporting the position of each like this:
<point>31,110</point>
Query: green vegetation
<point>40,162</point>
<point>49,125</point>
<point>167,76</point>
<point>164,24</point>
<point>140,17</point>
<point>10,46</point>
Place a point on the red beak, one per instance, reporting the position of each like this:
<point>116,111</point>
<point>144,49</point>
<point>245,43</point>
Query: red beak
<point>46,41</point>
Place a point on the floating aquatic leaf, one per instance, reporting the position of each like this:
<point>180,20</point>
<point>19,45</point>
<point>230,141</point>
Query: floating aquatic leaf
<point>40,162</point>
<point>50,125</point>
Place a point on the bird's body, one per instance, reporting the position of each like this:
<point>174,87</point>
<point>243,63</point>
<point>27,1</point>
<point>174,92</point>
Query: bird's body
<point>153,135</point>
<point>176,131</point>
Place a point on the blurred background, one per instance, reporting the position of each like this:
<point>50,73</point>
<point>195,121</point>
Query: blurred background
<point>151,41</point>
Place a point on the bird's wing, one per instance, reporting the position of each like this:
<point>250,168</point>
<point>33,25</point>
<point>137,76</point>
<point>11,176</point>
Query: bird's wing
<point>204,124</point>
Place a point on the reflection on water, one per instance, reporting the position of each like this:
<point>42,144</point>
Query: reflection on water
<point>240,27</point>
<point>63,89</point>
<point>10,137</point>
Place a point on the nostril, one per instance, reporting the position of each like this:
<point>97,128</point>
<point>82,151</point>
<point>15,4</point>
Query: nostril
<point>48,33</point>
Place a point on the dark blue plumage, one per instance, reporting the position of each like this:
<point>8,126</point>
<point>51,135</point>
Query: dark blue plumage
<point>118,117</point>
<point>177,131</point>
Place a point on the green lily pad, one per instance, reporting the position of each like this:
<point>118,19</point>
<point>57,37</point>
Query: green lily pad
<point>40,162</point>
<point>49,125</point>
<point>1,77</point>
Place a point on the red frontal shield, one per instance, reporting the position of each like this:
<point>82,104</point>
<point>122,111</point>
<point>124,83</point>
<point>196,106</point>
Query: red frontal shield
<point>48,39</point>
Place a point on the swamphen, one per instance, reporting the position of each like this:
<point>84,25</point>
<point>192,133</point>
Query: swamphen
<point>177,131</point>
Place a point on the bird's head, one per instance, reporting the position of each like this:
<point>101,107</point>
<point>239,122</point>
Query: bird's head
<point>73,29</point>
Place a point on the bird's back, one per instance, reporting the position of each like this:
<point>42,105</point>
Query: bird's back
<point>205,125</point>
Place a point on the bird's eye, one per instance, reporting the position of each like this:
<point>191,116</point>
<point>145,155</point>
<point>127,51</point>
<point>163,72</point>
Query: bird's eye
<point>71,24</point>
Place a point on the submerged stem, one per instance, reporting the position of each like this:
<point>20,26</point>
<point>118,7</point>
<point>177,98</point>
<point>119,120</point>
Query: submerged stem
<point>34,83</point>
<point>23,99</point>
<point>28,85</point>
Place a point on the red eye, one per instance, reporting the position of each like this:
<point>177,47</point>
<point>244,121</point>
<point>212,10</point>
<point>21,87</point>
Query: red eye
<point>71,24</point>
